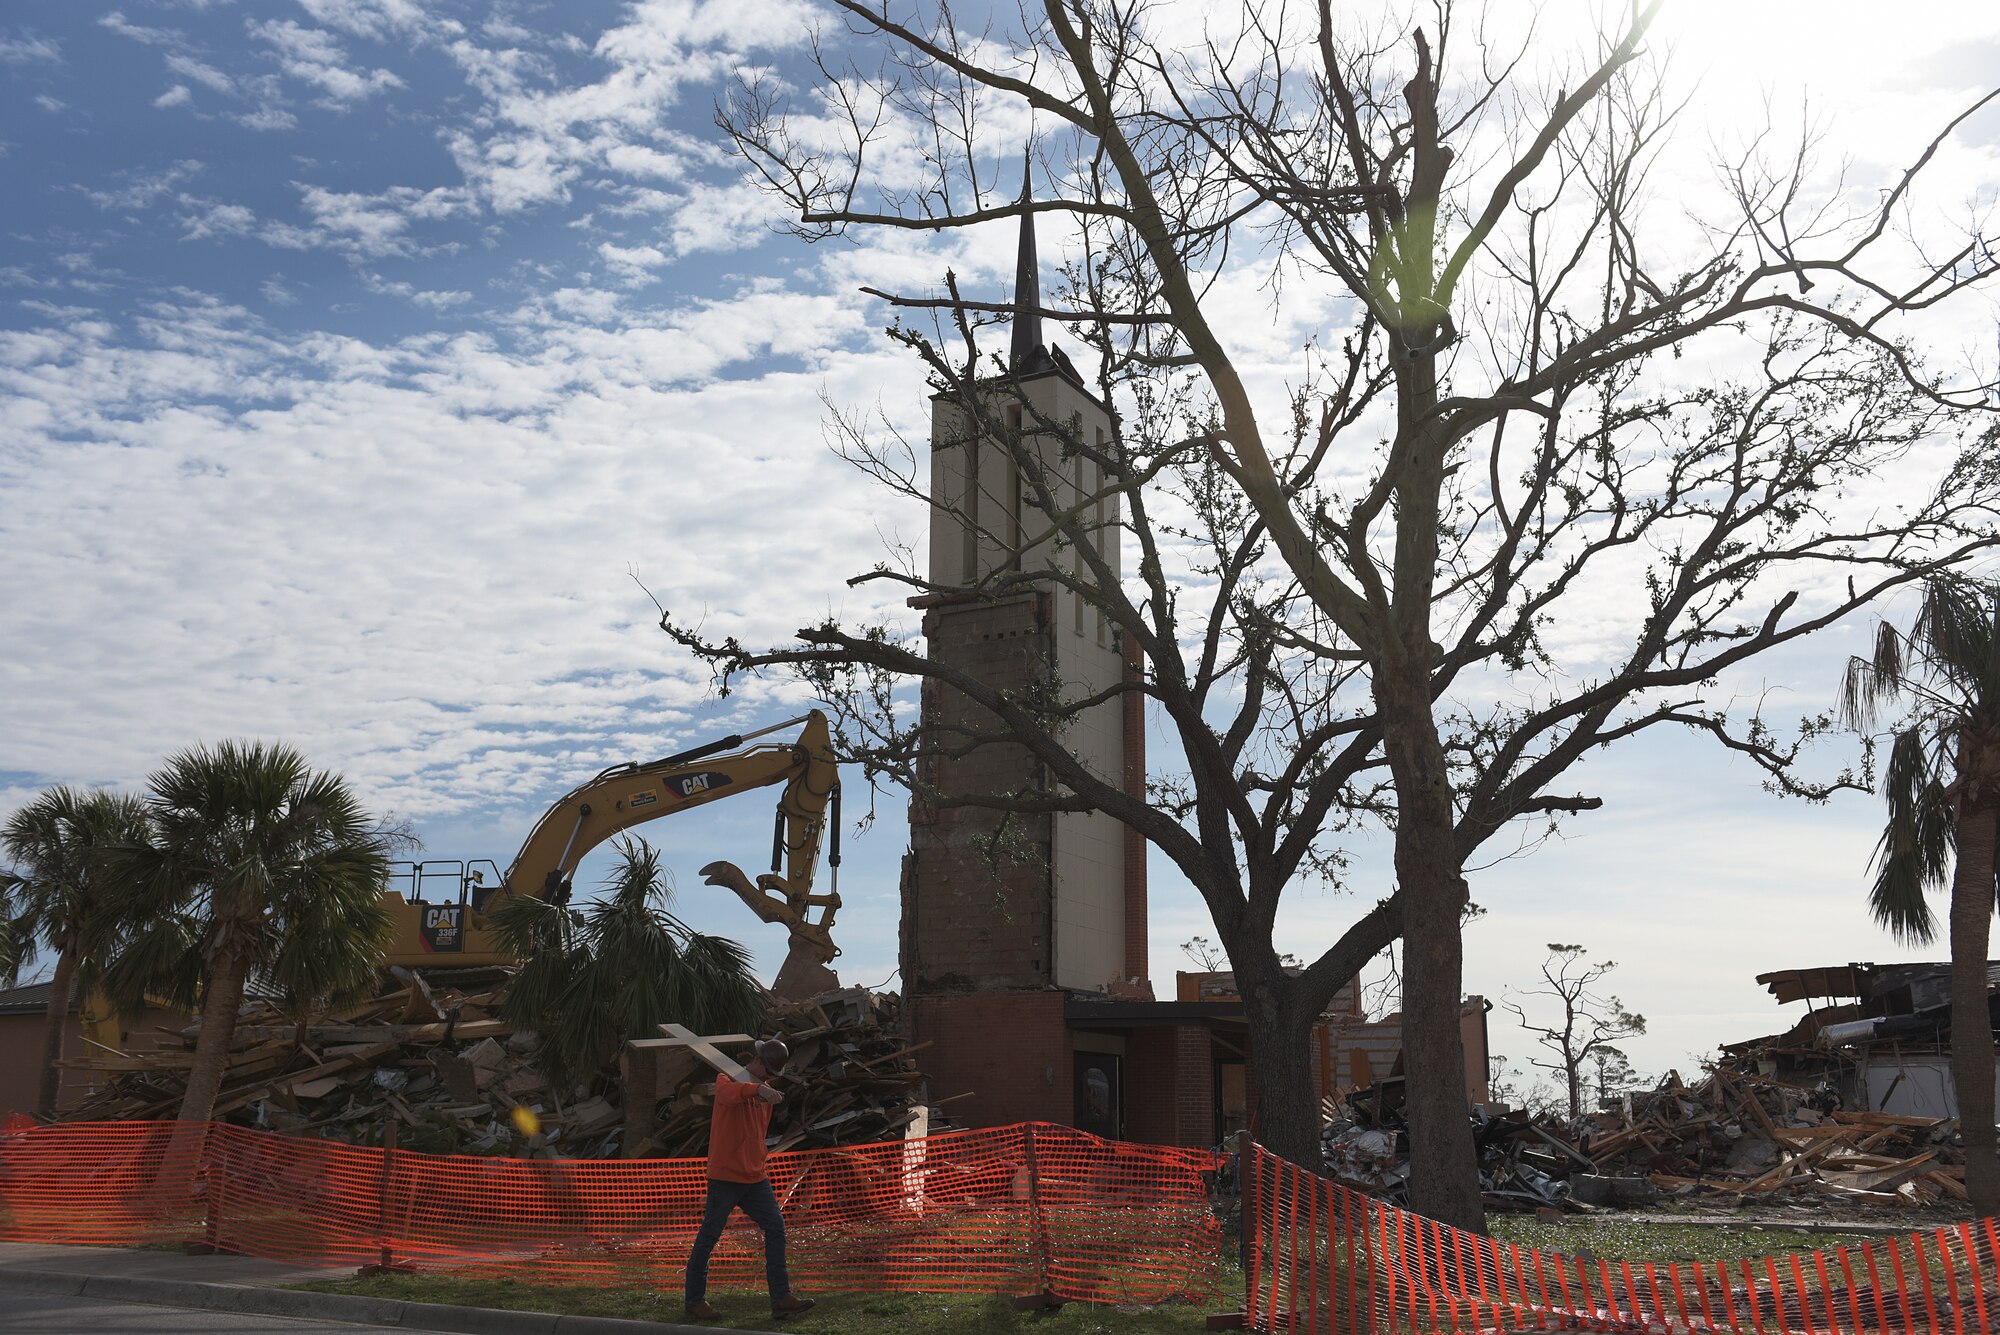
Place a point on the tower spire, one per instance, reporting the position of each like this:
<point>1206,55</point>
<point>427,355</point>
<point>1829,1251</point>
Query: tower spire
<point>1027,280</point>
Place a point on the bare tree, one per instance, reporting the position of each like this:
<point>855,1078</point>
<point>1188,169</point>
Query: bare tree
<point>1538,395</point>
<point>1205,955</point>
<point>1510,1087</point>
<point>1274,769</point>
<point>1587,1028</point>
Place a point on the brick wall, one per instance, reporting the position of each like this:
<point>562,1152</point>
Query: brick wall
<point>1170,1086</point>
<point>1009,1051</point>
<point>976,916</point>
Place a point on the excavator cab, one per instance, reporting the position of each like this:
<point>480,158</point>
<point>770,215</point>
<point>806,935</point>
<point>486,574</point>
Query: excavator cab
<point>440,891</point>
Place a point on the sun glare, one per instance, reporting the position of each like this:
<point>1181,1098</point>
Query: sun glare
<point>1820,46</point>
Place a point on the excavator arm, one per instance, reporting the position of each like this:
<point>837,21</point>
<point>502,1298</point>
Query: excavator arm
<point>625,796</point>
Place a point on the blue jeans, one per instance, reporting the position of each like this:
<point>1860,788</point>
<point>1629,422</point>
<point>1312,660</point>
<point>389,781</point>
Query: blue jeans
<point>756,1200</point>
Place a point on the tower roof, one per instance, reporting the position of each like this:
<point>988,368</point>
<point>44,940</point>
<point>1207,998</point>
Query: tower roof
<point>1027,284</point>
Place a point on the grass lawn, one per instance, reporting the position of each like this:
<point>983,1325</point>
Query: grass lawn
<point>861,1314</point>
<point>930,1314</point>
<point>1612,1239</point>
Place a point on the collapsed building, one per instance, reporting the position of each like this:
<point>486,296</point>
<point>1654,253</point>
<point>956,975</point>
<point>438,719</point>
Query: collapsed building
<point>1877,1036</point>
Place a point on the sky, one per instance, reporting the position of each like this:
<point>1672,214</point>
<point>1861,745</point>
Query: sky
<point>361,359</point>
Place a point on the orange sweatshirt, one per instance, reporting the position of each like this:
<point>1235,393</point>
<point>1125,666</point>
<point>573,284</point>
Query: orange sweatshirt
<point>736,1131</point>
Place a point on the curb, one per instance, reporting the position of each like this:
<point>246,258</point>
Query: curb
<point>333,1306</point>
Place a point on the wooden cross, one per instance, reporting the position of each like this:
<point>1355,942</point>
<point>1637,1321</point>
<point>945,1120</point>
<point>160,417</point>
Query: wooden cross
<point>680,1036</point>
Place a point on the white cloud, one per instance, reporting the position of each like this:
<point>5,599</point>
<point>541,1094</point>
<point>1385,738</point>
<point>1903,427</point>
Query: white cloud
<point>513,173</point>
<point>29,49</point>
<point>140,190</point>
<point>118,23</point>
<point>377,19</point>
<point>205,218</point>
<point>351,223</point>
<point>536,142</point>
<point>195,71</point>
<point>50,104</point>
<point>378,224</point>
<point>177,96</point>
<point>409,557</point>
<point>268,118</point>
<point>634,264</point>
<point>735,215</point>
<point>644,160</point>
<point>312,56</point>
<point>428,299</point>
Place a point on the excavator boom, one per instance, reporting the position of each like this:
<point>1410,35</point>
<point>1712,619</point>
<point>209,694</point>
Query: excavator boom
<point>455,933</point>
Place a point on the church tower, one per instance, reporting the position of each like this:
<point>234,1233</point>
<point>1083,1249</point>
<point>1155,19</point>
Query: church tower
<point>1007,916</point>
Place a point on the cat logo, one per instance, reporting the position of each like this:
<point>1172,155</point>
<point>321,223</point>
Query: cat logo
<point>443,928</point>
<point>697,785</point>
<point>642,799</point>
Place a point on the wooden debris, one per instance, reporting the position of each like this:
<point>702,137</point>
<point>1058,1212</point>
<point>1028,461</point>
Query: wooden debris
<point>851,1079</point>
<point>1734,1137</point>
<point>437,1061</point>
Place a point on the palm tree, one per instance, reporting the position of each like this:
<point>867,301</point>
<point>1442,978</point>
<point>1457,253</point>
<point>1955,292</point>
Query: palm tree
<point>58,896</point>
<point>265,870</point>
<point>1942,784</point>
<point>618,968</point>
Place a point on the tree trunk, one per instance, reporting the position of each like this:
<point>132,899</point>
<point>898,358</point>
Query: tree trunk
<point>1286,1117</point>
<point>60,987</point>
<point>1444,1171</point>
<point>1971,1028</point>
<point>220,1002</point>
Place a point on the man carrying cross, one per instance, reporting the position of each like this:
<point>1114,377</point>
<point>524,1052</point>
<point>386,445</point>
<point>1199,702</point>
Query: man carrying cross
<point>737,1180</point>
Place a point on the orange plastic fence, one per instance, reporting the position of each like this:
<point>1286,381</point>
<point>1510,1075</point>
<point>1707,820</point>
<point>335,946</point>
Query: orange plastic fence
<point>1320,1258</point>
<point>1019,1209</point>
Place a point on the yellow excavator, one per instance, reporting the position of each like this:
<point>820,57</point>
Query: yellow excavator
<point>452,931</point>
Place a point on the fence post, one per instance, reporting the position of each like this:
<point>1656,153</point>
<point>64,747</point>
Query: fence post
<point>384,1231</point>
<point>1246,1211</point>
<point>216,1175</point>
<point>1038,1237</point>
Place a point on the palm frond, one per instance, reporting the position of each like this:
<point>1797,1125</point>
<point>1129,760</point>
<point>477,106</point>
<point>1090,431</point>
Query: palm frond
<point>1869,682</point>
<point>1914,852</point>
<point>618,968</point>
<point>159,959</point>
<point>1952,632</point>
<point>328,951</point>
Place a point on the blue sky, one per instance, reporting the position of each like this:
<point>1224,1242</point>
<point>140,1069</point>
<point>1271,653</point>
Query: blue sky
<point>354,355</point>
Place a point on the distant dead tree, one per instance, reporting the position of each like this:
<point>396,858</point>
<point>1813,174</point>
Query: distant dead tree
<point>1586,1029</point>
<point>1563,448</point>
<point>1205,955</point>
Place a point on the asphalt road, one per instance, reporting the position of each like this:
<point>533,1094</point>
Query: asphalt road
<point>35,1314</point>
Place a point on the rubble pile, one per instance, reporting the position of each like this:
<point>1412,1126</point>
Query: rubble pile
<point>430,1063</point>
<point>851,1080</point>
<point>1733,1138</point>
<point>430,1056</point>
